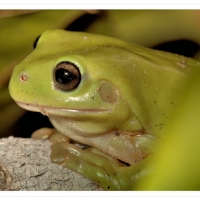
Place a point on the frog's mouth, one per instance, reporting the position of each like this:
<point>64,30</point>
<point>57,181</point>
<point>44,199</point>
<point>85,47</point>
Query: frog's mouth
<point>128,147</point>
<point>47,110</point>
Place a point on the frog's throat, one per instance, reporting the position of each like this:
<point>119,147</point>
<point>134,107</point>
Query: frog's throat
<point>47,110</point>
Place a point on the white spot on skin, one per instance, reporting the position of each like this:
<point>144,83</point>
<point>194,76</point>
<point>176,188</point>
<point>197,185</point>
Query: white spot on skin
<point>183,59</point>
<point>132,122</point>
<point>181,65</point>
<point>85,37</point>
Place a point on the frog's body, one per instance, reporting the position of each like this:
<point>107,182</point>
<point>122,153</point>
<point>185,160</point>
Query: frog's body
<point>121,99</point>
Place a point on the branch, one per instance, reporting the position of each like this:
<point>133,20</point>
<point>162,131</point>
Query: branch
<point>25,165</point>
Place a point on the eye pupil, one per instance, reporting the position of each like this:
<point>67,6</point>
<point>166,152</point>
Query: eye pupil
<point>63,76</point>
<point>66,76</point>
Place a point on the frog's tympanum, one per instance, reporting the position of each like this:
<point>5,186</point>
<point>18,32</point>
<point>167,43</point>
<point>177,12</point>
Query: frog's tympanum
<point>111,96</point>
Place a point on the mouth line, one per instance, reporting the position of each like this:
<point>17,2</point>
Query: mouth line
<point>47,110</point>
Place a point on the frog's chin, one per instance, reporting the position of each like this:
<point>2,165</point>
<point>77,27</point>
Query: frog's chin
<point>47,110</point>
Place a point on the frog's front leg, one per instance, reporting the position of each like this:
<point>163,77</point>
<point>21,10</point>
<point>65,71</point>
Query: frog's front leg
<point>106,171</point>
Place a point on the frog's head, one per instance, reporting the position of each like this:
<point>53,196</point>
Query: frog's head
<point>71,76</point>
<point>98,82</point>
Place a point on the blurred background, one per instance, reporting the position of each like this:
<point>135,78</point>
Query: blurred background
<point>175,31</point>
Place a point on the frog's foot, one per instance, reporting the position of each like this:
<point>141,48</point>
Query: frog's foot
<point>91,163</point>
<point>49,133</point>
<point>104,170</point>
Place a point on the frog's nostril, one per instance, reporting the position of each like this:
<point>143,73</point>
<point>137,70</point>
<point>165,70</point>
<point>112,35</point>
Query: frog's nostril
<point>24,77</point>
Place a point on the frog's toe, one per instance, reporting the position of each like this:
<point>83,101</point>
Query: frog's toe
<point>51,134</point>
<point>58,137</point>
<point>59,155</point>
<point>42,133</point>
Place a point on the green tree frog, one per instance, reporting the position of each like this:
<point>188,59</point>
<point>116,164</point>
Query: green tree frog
<point>112,96</point>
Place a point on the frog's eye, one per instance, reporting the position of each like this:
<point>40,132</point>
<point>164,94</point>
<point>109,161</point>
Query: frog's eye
<point>67,76</point>
<point>35,42</point>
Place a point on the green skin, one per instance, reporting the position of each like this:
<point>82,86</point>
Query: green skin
<point>120,107</point>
